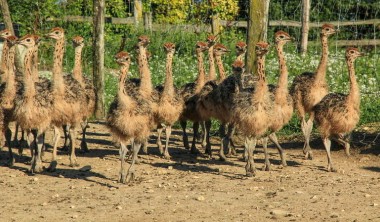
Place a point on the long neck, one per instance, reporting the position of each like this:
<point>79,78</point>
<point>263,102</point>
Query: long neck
<point>219,63</point>
<point>77,70</point>
<point>240,57</point>
<point>211,60</point>
<point>354,95</point>
<point>262,86</point>
<point>282,83</point>
<point>122,96</point>
<point>169,87</point>
<point>29,88</point>
<point>35,63</point>
<point>146,82</point>
<point>322,67</point>
<point>9,93</point>
<point>201,79</point>
<point>4,57</point>
<point>58,83</point>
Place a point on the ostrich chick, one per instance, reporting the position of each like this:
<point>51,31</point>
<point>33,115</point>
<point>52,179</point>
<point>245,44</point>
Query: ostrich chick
<point>337,114</point>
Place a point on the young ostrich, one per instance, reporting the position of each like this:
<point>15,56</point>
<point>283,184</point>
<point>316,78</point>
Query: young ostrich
<point>131,115</point>
<point>8,94</point>
<point>189,93</point>
<point>283,103</point>
<point>86,83</point>
<point>208,103</point>
<point>252,111</point>
<point>69,97</point>
<point>337,114</point>
<point>170,104</point>
<point>309,88</point>
<point>33,109</point>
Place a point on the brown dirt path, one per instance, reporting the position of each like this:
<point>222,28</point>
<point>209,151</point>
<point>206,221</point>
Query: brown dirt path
<point>187,188</point>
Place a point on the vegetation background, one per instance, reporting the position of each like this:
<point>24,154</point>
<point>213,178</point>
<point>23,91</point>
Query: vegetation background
<point>33,17</point>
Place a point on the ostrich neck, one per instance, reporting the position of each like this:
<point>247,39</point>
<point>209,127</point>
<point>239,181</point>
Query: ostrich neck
<point>354,95</point>
<point>212,70</point>
<point>10,89</point>
<point>240,57</point>
<point>262,86</point>
<point>322,67</point>
<point>122,96</point>
<point>29,88</point>
<point>169,87</point>
<point>201,73</point>
<point>4,57</point>
<point>77,70</point>
<point>222,73</point>
<point>146,82</point>
<point>58,83</point>
<point>282,89</point>
<point>35,63</point>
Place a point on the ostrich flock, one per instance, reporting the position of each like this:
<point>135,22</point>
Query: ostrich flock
<point>242,101</point>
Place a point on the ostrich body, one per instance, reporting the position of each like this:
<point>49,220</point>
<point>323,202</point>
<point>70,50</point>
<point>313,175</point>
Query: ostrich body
<point>189,94</point>
<point>69,97</point>
<point>252,111</point>
<point>170,104</point>
<point>128,119</point>
<point>33,109</point>
<point>309,88</point>
<point>337,114</point>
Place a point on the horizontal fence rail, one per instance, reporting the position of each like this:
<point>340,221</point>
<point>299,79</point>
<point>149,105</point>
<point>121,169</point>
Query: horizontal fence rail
<point>240,24</point>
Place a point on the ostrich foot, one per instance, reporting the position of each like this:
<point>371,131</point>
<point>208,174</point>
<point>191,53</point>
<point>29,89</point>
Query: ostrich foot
<point>160,148</point>
<point>308,155</point>
<point>73,163</point>
<point>64,148</point>
<point>126,178</point>
<point>36,168</point>
<point>283,163</point>
<point>266,167</point>
<point>222,157</point>
<point>250,170</point>
<point>53,166</point>
<point>11,161</point>
<point>331,169</point>
<point>83,147</point>
<point>194,150</point>
<point>167,156</point>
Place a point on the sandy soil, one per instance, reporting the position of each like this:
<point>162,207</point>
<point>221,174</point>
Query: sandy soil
<point>189,188</point>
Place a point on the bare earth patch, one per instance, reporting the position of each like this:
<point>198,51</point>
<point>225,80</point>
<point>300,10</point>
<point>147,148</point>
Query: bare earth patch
<point>189,188</point>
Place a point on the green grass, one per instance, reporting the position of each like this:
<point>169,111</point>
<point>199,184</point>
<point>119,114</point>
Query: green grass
<point>185,66</point>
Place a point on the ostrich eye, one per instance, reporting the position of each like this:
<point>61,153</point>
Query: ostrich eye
<point>28,40</point>
<point>281,36</point>
<point>352,51</point>
<point>56,32</point>
<point>327,29</point>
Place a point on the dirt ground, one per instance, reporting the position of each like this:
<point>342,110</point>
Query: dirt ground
<point>189,188</point>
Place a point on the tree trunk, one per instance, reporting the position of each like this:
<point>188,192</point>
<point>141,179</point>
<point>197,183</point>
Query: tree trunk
<point>98,58</point>
<point>137,12</point>
<point>305,26</point>
<point>255,33</point>
<point>9,25</point>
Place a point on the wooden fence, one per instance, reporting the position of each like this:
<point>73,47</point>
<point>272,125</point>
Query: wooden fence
<point>241,24</point>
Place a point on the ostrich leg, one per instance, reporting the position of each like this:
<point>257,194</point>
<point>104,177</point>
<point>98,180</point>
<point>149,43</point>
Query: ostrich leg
<point>72,136</point>
<point>273,138</point>
<point>266,166</point>
<point>250,167</point>
<point>83,144</point>
<point>185,138</point>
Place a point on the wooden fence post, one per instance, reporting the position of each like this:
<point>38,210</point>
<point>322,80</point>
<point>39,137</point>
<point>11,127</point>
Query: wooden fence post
<point>137,12</point>
<point>305,26</point>
<point>148,21</point>
<point>255,32</point>
<point>98,58</point>
<point>215,26</point>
